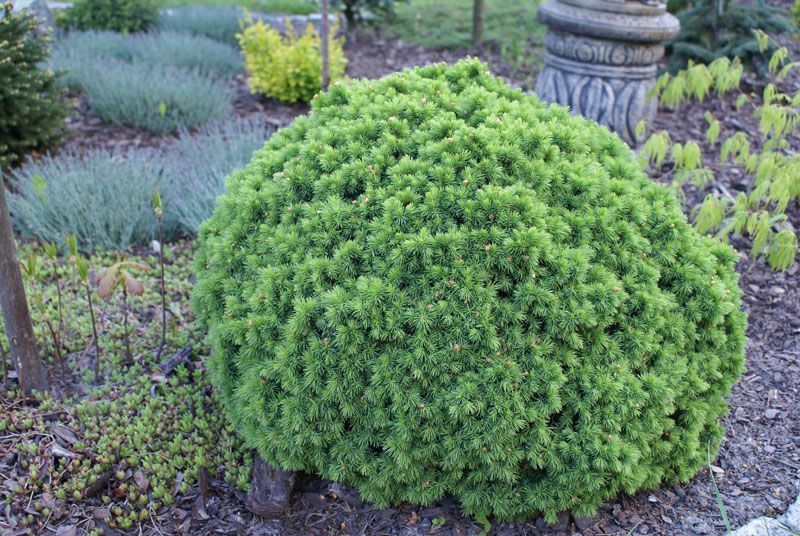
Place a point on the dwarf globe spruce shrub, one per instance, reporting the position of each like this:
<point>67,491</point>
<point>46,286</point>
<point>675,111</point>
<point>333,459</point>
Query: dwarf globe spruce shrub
<point>32,108</point>
<point>435,284</point>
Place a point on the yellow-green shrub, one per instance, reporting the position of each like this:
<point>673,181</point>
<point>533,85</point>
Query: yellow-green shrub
<point>288,68</point>
<point>796,13</point>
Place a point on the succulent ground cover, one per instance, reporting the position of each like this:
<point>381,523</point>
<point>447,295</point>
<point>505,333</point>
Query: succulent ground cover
<point>111,451</point>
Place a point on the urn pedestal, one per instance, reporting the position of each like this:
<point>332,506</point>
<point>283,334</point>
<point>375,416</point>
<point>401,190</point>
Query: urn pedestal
<point>601,59</point>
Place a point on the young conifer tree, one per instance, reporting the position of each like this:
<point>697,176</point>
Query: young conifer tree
<point>32,108</point>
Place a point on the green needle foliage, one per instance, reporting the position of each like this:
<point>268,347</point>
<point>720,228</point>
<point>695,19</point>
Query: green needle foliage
<point>124,16</point>
<point>712,29</point>
<point>32,109</point>
<point>435,284</point>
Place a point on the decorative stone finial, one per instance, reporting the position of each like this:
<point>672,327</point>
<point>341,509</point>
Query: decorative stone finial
<point>602,57</point>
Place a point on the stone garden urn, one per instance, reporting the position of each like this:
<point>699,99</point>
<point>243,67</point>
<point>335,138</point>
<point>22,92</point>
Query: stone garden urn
<point>601,59</point>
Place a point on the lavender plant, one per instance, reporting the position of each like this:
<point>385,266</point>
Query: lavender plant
<point>159,99</point>
<point>195,177</point>
<point>169,48</point>
<point>220,23</point>
<point>103,197</point>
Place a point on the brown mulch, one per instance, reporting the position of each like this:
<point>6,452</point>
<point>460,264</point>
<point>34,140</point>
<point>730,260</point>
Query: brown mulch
<point>758,468</point>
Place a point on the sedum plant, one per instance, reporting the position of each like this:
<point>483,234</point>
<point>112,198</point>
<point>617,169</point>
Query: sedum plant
<point>32,108</point>
<point>288,68</point>
<point>434,284</point>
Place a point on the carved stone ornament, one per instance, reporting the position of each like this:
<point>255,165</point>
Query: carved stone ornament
<point>601,59</point>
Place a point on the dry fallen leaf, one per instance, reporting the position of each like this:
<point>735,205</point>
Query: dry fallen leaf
<point>141,481</point>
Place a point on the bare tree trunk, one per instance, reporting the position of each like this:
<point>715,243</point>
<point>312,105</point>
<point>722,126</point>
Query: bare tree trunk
<point>324,42</point>
<point>31,371</point>
<point>477,24</point>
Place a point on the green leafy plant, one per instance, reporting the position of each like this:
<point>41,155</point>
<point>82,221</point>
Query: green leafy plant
<point>288,68</point>
<point>124,16</point>
<point>712,29</point>
<point>796,13</point>
<point>435,284</point>
<point>32,108</point>
<point>767,157</point>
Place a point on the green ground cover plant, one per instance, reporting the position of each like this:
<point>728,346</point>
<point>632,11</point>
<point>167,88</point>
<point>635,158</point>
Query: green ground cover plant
<point>448,23</point>
<point>135,437</point>
<point>434,284</point>
<point>290,7</point>
<point>32,107</point>
<point>125,16</point>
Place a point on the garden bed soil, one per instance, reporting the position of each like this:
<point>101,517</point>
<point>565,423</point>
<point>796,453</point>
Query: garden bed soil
<point>758,467</point>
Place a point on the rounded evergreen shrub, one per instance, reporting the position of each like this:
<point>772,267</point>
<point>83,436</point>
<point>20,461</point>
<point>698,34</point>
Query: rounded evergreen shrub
<point>434,284</point>
<point>125,16</point>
